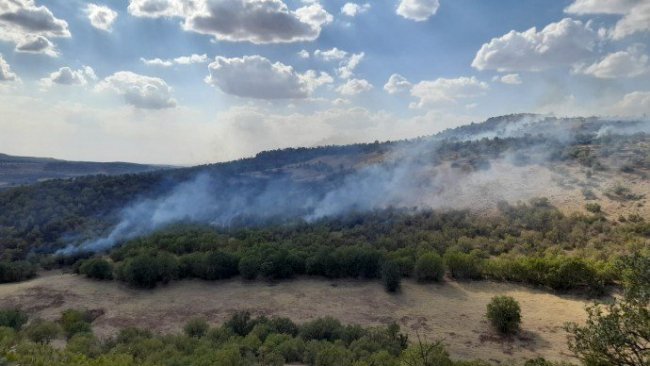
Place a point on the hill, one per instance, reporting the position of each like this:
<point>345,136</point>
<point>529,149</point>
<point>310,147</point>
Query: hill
<point>19,170</point>
<point>571,161</point>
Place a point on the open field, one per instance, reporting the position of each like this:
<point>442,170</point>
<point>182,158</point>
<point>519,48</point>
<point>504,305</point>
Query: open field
<point>452,311</point>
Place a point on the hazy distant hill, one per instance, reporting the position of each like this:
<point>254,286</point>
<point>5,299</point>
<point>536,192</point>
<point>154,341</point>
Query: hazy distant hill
<point>19,170</point>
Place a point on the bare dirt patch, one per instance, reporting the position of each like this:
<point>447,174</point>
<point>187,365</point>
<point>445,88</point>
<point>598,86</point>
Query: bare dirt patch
<point>452,311</point>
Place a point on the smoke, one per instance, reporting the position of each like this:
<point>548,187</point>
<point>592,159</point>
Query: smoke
<point>409,175</point>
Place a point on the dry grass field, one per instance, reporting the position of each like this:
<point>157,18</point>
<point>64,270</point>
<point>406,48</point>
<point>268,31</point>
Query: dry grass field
<point>452,311</point>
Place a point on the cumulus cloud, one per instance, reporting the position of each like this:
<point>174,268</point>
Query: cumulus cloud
<point>622,64</point>
<point>512,79</point>
<point>30,27</point>
<point>255,21</point>
<point>68,76</point>
<point>418,10</point>
<point>36,44</point>
<point>354,87</point>
<point>558,44</point>
<point>257,77</point>
<point>397,84</point>
<point>159,8</point>
<point>354,9</point>
<point>348,65</point>
<point>5,71</point>
<point>636,103</point>
<point>445,91</point>
<point>101,17</point>
<point>182,60</point>
<point>138,90</point>
<point>303,54</point>
<point>635,14</point>
<point>331,54</point>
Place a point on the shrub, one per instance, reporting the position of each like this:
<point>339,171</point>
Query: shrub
<point>429,267</point>
<point>240,323</point>
<point>75,322</point>
<point>42,331</point>
<point>504,314</point>
<point>85,344</point>
<point>593,207</point>
<point>147,270</point>
<point>13,318</point>
<point>97,268</point>
<point>196,327</point>
<point>249,266</point>
<point>327,328</point>
<point>16,271</point>
<point>462,266</point>
<point>391,276</point>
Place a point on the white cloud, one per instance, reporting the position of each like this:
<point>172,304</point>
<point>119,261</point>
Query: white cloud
<point>101,17</point>
<point>138,90</point>
<point>347,66</point>
<point>303,54</point>
<point>354,87</point>
<point>182,60</point>
<point>512,79</point>
<point>5,71</point>
<point>354,9</point>
<point>257,77</point>
<point>397,84</point>
<point>445,91</point>
<point>418,10</point>
<point>635,14</point>
<point>558,44</point>
<point>29,26</point>
<point>622,64</point>
<point>258,22</point>
<point>636,103</point>
<point>68,76</point>
<point>159,8</point>
<point>36,44</point>
<point>331,54</point>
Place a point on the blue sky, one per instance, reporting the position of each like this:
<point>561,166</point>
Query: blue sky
<point>196,81</point>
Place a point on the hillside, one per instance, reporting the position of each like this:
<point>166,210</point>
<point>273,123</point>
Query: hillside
<point>571,161</point>
<point>19,170</point>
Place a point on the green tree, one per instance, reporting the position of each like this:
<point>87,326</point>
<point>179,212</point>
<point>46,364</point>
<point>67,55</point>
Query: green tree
<point>619,333</point>
<point>504,314</point>
<point>429,267</point>
<point>391,276</point>
<point>98,268</point>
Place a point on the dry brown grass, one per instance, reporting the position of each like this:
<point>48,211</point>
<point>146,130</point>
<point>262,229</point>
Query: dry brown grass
<point>452,311</point>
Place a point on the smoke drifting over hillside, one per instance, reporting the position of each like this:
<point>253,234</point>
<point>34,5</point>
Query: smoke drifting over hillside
<point>418,174</point>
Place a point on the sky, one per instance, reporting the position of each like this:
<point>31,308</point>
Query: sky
<point>189,82</point>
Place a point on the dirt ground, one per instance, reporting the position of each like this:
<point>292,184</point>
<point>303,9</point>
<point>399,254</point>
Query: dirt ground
<point>453,312</point>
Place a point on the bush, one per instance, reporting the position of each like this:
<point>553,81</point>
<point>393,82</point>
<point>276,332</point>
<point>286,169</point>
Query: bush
<point>97,268</point>
<point>85,344</point>
<point>240,323</point>
<point>75,322</point>
<point>462,266</point>
<point>196,327</point>
<point>391,276</point>
<point>147,270</point>
<point>504,314</point>
<point>42,331</point>
<point>13,318</point>
<point>429,267</point>
<point>327,328</point>
<point>249,267</point>
<point>16,271</point>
